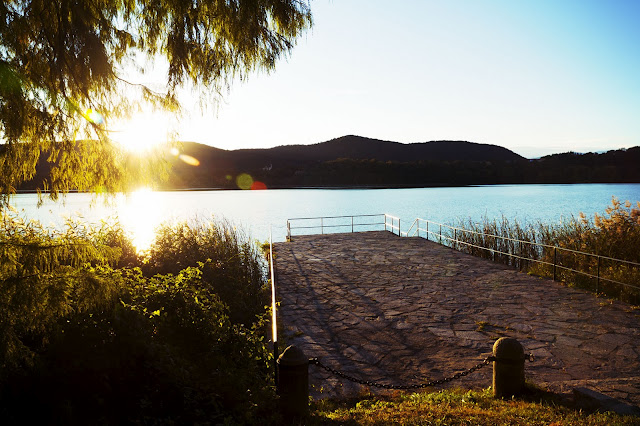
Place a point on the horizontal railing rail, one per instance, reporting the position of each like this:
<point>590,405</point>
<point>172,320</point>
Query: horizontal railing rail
<point>524,251</point>
<point>523,241</point>
<point>453,241</point>
<point>352,222</point>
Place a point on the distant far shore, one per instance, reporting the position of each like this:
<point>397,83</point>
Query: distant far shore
<point>353,162</point>
<point>347,187</point>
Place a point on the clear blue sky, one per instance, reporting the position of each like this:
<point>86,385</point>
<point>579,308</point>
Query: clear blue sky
<point>537,77</point>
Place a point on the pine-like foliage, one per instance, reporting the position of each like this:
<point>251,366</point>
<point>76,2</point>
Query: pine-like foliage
<point>64,64</point>
<point>45,275</point>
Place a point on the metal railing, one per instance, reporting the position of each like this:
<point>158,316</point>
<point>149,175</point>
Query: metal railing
<point>552,252</point>
<point>518,252</point>
<point>274,322</point>
<point>334,224</point>
<point>390,223</point>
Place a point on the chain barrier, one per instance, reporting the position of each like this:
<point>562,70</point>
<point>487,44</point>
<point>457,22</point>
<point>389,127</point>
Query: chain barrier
<point>486,361</point>
<point>316,361</point>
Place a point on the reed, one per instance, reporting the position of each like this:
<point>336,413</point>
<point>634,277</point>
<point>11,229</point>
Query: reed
<point>596,253</point>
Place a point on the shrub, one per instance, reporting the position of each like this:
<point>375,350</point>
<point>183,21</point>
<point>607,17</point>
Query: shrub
<point>86,343</point>
<point>165,350</point>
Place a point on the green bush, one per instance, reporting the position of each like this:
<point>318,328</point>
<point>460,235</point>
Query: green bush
<point>86,343</point>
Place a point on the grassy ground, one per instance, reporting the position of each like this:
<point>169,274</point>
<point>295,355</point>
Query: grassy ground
<point>460,407</point>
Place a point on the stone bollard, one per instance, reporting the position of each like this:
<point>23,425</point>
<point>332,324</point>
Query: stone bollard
<point>508,368</point>
<point>293,383</point>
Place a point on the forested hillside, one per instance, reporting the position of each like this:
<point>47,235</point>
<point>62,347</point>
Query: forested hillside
<point>353,161</point>
<point>356,161</point>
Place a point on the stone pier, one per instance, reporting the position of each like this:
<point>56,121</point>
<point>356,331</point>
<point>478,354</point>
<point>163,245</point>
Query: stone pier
<point>406,310</point>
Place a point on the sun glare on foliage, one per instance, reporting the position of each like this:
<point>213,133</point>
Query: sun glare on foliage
<point>143,132</point>
<point>141,215</point>
<point>94,116</point>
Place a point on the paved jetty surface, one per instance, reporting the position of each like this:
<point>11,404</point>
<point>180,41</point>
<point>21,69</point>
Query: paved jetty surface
<point>404,310</point>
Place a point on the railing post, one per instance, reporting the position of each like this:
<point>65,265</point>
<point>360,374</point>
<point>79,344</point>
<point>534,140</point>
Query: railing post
<point>455,238</point>
<point>288,231</point>
<point>321,226</point>
<point>598,275</point>
<point>555,259</point>
<point>399,228</point>
<point>427,222</point>
<point>440,234</point>
<point>508,367</point>
<point>352,224</point>
<point>519,259</point>
<point>293,383</point>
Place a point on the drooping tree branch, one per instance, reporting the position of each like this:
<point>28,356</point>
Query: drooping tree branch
<point>58,59</point>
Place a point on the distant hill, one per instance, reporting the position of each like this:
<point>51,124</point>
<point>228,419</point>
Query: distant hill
<point>355,148</point>
<point>285,162</point>
<point>354,161</point>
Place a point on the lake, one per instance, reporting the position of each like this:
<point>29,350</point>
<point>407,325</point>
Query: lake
<point>256,211</point>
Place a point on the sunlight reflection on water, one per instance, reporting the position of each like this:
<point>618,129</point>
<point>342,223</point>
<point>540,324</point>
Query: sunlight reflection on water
<point>141,213</point>
<point>255,211</point>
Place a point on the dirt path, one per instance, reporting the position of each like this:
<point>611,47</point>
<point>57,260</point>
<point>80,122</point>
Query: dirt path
<point>401,310</point>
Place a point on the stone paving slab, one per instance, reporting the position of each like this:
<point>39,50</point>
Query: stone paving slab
<point>405,310</point>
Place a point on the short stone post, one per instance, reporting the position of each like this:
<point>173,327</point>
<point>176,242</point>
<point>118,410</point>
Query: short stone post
<point>293,383</point>
<point>508,368</point>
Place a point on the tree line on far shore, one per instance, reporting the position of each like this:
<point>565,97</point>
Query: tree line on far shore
<point>619,166</point>
<point>219,169</point>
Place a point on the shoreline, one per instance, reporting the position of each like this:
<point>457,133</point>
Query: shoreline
<point>345,187</point>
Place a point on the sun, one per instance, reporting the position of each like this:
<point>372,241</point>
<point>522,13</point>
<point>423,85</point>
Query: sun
<point>143,132</point>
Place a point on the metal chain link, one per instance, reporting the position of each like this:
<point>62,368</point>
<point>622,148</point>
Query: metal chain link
<point>486,361</point>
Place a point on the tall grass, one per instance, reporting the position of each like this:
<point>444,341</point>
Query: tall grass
<point>599,253</point>
<point>232,264</point>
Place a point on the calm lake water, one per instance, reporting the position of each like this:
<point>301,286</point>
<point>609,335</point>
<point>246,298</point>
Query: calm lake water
<point>257,211</point>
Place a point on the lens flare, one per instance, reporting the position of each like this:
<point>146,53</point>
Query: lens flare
<point>192,161</point>
<point>188,159</point>
<point>244,181</point>
<point>94,116</point>
<point>257,185</point>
